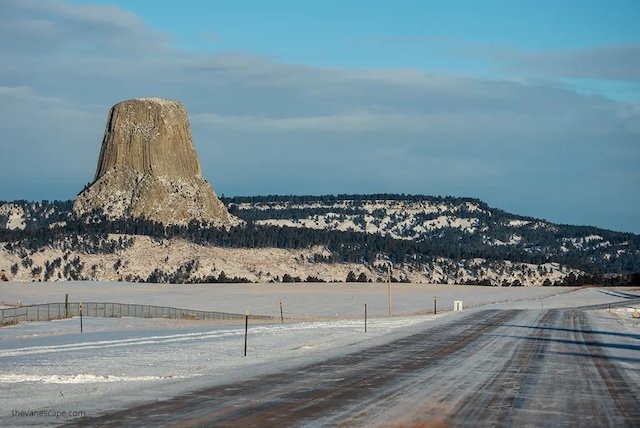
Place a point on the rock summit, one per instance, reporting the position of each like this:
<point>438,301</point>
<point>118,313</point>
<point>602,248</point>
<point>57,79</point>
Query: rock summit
<point>148,167</point>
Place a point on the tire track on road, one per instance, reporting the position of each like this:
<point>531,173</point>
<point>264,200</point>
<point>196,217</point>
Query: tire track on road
<point>316,393</point>
<point>625,398</point>
<point>559,374</point>
<point>549,368</point>
<point>495,400</point>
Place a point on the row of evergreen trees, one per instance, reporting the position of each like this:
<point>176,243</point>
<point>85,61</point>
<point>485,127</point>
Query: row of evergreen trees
<point>90,235</point>
<point>538,244</point>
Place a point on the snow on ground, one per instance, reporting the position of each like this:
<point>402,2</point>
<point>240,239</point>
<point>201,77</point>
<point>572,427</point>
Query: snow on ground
<point>518,223</point>
<point>118,362</point>
<point>16,218</point>
<point>300,300</point>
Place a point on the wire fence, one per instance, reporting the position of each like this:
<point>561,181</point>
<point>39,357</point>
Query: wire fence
<point>52,311</point>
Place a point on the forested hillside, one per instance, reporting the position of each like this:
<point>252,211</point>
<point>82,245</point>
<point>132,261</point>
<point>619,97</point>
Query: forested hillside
<point>409,230</point>
<point>457,228</point>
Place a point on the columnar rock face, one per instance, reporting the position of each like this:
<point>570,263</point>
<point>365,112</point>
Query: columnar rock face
<point>149,168</point>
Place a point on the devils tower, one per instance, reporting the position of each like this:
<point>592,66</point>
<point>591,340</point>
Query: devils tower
<point>148,167</point>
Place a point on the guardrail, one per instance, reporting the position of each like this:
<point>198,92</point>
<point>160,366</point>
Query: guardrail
<point>52,311</point>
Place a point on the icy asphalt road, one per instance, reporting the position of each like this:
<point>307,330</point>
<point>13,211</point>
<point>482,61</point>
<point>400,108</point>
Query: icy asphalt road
<point>557,367</point>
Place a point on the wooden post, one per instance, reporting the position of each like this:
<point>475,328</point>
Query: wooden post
<point>389,286</point>
<point>365,317</point>
<point>435,310</point>
<point>246,330</point>
<point>80,317</point>
<point>281,313</point>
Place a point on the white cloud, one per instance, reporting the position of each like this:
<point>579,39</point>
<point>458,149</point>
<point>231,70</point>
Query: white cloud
<point>302,129</point>
<point>54,13</point>
<point>53,27</point>
<point>435,123</point>
<point>612,62</point>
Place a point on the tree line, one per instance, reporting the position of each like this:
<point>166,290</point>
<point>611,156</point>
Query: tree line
<point>538,245</point>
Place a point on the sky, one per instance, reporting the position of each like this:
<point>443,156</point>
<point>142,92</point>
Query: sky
<point>532,107</point>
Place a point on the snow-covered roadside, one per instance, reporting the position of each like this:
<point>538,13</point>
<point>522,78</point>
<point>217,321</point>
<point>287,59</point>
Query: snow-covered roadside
<point>114,364</point>
<point>118,362</point>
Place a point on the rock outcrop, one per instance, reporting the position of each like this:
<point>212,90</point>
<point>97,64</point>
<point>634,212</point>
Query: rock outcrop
<point>148,167</point>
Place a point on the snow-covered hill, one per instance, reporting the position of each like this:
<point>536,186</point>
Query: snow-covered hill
<point>149,260</point>
<point>455,221</point>
<point>424,239</point>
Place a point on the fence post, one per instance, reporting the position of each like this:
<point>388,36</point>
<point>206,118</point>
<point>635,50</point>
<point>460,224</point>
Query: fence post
<point>281,313</point>
<point>66,305</point>
<point>80,317</point>
<point>365,317</point>
<point>246,330</point>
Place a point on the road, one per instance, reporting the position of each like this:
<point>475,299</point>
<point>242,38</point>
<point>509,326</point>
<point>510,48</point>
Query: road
<point>498,368</point>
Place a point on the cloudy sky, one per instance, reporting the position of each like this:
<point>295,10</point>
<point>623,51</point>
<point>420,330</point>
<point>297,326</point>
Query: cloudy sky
<point>531,106</point>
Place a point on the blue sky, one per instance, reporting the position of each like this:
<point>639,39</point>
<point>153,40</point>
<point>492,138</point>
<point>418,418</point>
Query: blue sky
<point>533,107</point>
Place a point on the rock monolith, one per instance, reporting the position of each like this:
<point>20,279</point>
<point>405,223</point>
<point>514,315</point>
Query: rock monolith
<point>148,167</point>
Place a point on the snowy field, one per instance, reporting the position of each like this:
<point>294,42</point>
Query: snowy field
<point>119,362</point>
<point>301,300</point>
